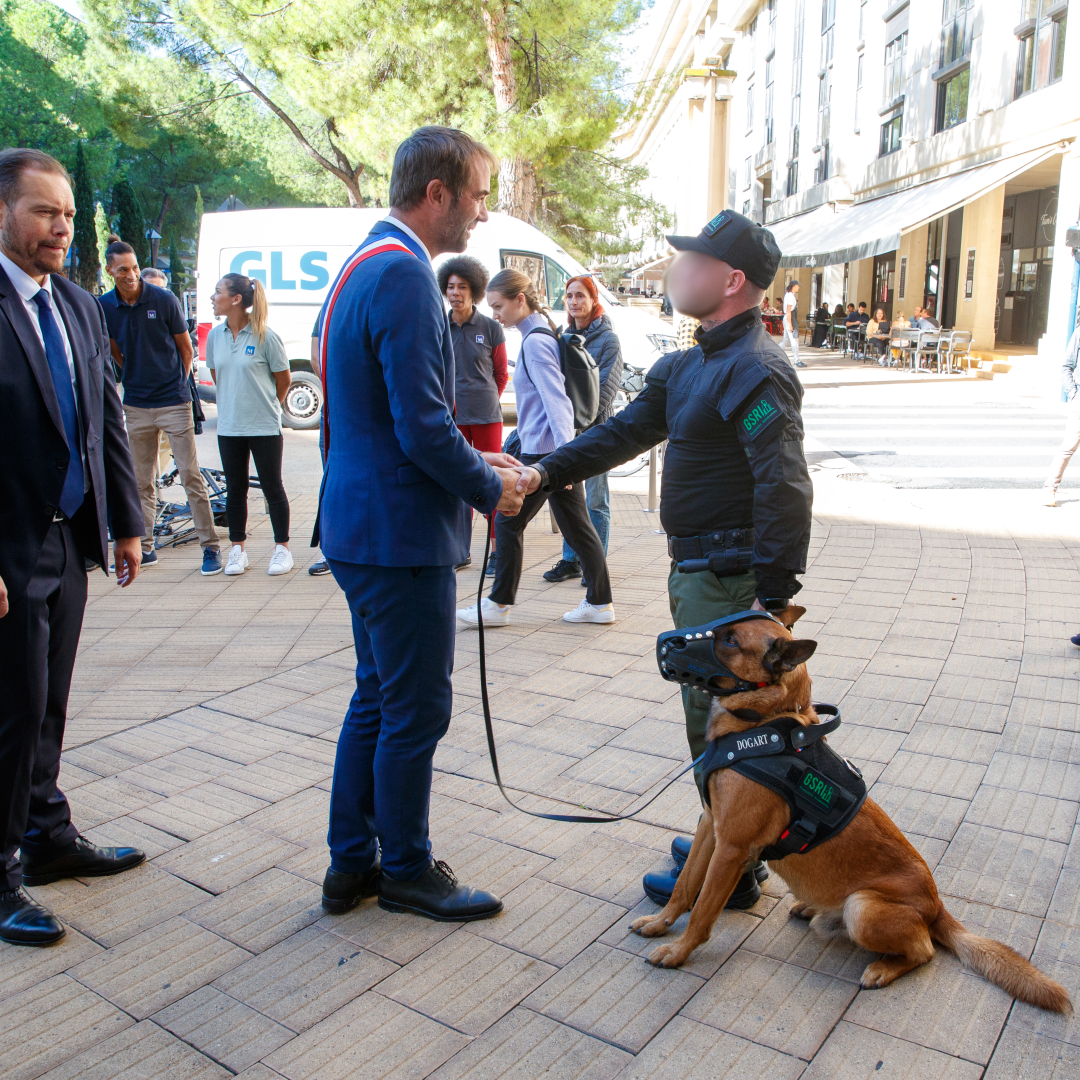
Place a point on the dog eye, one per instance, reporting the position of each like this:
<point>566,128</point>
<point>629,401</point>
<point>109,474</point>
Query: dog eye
<point>729,638</point>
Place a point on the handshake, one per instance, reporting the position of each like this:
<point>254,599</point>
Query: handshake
<point>518,481</point>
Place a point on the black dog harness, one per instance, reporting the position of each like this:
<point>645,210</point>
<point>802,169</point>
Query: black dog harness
<point>823,790</point>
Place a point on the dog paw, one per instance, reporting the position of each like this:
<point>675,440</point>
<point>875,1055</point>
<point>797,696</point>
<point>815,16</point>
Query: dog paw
<point>669,956</point>
<point>650,925</point>
<point>801,910</point>
<point>876,976</point>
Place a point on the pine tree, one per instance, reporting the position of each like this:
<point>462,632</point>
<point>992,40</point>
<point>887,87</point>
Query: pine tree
<point>199,208</point>
<point>101,227</point>
<point>177,276</point>
<point>86,247</point>
<point>131,225</point>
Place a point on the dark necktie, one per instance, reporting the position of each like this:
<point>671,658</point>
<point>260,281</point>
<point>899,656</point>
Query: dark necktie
<point>71,498</point>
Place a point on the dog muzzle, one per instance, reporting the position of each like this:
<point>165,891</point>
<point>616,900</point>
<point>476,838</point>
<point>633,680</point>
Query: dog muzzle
<point>686,656</point>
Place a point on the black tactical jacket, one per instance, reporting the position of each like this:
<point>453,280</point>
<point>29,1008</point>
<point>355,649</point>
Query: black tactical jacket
<point>730,410</point>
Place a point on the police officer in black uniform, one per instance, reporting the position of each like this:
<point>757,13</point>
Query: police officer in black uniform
<point>737,496</point>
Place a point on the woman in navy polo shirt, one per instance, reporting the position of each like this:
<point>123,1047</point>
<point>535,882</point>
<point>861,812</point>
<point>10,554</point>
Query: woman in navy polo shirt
<point>251,371</point>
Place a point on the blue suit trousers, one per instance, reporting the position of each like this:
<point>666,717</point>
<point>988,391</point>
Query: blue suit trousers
<point>403,626</point>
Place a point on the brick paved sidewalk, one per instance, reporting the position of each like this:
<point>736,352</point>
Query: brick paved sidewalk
<point>203,726</point>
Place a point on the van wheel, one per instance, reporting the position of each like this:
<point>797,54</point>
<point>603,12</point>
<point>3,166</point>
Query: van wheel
<point>302,407</point>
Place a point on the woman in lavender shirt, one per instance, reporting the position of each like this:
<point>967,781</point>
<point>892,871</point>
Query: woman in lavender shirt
<point>545,422</point>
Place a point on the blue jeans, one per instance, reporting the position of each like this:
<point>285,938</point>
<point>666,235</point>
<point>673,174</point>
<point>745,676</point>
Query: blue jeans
<point>598,500</point>
<point>403,627</point>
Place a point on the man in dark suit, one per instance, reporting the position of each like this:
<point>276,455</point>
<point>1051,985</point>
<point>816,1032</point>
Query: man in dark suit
<point>66,466</point>
<point>394,522</point>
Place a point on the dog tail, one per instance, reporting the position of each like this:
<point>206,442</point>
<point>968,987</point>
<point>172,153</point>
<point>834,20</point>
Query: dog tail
<point>1000,965</point>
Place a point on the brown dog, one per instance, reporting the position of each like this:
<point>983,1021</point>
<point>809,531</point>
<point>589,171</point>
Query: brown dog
<point>867,881</point>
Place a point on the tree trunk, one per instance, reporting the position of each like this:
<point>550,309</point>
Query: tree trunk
<point>517,180</point>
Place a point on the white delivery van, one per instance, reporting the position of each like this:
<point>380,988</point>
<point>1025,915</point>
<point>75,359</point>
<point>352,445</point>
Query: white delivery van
<point>297,254</point>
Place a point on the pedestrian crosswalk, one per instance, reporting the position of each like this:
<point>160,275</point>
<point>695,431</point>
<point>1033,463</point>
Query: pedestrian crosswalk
<point>987,445</point>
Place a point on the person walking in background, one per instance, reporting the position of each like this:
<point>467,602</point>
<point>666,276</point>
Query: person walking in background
<point>1071,439</point>
<point>67,469</point>
<point>586,317</point>
<point>480,372</point>
<point>151,346</point>
<point>251,372</point>
<point>545,422</point>
<point>791,321</point>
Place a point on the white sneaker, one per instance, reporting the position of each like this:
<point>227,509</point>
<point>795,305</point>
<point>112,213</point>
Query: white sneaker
<point>494,614</point>
<point>281,562</point>
<point>238,561</point>
<point>1049,496</point>
<point>594,613</point>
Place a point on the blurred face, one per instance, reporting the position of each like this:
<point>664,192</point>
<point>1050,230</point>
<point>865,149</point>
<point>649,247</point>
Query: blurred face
<point>508,310</point>
<point>124,270</point>
<point>36,230</point>
<point>459,294</point>
<point>795,288</point>
<point>879,315</point>
<point>223,301</point>
<point>463,212</point>
<point>579,303</point>
<point>698,284</point>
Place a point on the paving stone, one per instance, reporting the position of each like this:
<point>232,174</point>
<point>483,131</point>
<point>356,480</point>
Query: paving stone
<point>943,740</point>
<point>222,1028</point>
<point>177,772</point>
<point>1025,1055</point>
<point>262,911</point>
<point>142,1052</point>
<point>487,864</point>
<point>112,909</point>
<point>783,937</point>
<point>866,743</point>
<point>305,978</point>
<point>1057,779</point>
<point>1015,929</point>
<point>603,867</point>
<point>603,707</point>
<point>1023,812</point>
<point>30,1020</point>
<point>920,811</point>
<point>790,1008</point>
<point>929,847</point>
<point>942,776</point>
<point>1065,1029</point>
<point>522,707</point>
<point>550,838</point>
<point>524,1045</point>
<point>103,800</point>
<point>855,1053</point>
<point>1000,868</point>
<point>129,832</point>
<point>652,736</point>
<point>397,937</point>
<point>452,819</point>
<point>548,922</point>
<point>938,1006</point>
<point>1046,743</point>
<point>302,818</point>
<point>276,777</point>
<point>880,712</point>
<point>370,1038</point>
<point>466,982</point>
<point>199,810</point>
<point>964,713</point>
<point>159,966</point>
<point>219,860</point>
<point>21,969</point>
<point>731,929</point>
<point>686,1048</point>
<point>615,996</point>
<point>624,770</point>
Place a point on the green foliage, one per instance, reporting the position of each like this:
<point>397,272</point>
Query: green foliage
<point>85,241</point>
<point>130,221</point>
<point>177,273</point>
<point>101,230</point>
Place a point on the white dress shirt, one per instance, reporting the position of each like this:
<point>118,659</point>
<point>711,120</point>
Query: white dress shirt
<point>399,224</point>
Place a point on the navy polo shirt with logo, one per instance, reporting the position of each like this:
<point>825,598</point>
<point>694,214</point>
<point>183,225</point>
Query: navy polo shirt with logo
<point>153,373</point>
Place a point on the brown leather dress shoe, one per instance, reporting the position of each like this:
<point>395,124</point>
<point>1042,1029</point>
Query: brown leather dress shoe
<point>80,859</point>
<point>22,922</point>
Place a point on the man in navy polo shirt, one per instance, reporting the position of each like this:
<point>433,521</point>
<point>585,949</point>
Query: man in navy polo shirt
<point>150,344</point>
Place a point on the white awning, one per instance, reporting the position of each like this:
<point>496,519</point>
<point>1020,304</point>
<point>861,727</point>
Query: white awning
<point>830,234</point>
<point>655,265</point>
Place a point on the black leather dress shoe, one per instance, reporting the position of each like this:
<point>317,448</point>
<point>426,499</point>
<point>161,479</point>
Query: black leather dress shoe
<point>437,894</point>
<point>22,922</point>
<point>342,892</point>
<point>660,884</point>
<point>80,859</point>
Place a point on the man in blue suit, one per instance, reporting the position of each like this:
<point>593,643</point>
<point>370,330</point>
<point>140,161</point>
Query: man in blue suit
<point>393,522</point>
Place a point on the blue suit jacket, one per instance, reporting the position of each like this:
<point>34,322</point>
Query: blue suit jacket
<point>398,472</point>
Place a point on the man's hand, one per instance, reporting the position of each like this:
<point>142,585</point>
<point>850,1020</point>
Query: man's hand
<point>757,605</point>
<point>3,599</point>
<point>501,461</point>
<point>529,481</point>
<point>511,500</point>
<point>127,555</point>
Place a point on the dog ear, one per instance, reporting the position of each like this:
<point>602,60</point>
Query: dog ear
<point>787,655</point>
<point>790,615</point>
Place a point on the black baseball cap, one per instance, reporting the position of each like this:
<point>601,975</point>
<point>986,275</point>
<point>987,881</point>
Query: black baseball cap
<point>740,243</point>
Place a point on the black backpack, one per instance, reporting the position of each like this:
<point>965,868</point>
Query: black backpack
<point>581,373</point>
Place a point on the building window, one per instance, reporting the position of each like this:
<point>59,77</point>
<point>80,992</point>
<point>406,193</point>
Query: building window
<point>957,21</point>
<point>821,170</point>
<point>770,7</point>
<point>891,131</point>
<point>749,108</point>
<point>828,27</point>
<point>895,52</point>
<point>770,67</point>
<point>858,90</point>
<point>952,98</point>
<point>751,35</point>
<point>746,173</point>
<point>1041,54</point>
<point>796,100</point>
<point>746,208</point>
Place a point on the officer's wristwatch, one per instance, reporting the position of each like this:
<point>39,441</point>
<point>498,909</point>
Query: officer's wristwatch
<point>776,603</point>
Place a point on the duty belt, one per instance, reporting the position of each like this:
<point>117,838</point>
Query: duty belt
<point>823,790</point>
<point>726,553</point>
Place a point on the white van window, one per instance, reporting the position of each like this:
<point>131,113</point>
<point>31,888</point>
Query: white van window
<point>557,278</point>
<point>530,264</point>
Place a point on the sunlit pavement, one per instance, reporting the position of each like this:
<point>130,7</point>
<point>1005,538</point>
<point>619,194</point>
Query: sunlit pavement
<point>203,721</point>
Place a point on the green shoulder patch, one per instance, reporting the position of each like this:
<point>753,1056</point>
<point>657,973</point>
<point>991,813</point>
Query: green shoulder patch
<point>759,412</point>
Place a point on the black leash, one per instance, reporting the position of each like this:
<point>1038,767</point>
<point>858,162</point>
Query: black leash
<point>590,819</point>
